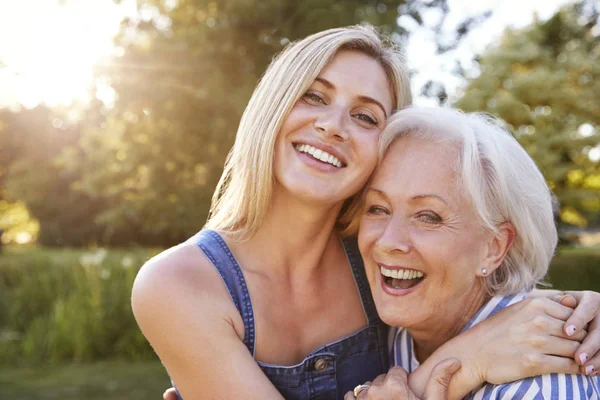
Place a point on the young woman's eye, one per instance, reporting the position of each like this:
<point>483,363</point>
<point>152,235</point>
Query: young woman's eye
<point>313,98</point>
<point>429,217</point>
<point>367,118</point>
<point>377,210</point>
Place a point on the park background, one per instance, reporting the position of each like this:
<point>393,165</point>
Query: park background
<point>116,118</point>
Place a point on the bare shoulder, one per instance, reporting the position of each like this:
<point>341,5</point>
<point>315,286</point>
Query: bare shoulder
<point>178,285</point>
<point>184,310</point>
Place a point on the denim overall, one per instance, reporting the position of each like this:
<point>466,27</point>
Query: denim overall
<point>329,371</point>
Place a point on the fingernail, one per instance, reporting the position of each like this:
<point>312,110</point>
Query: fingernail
<point>583,357</point>
<point>589,369</point>
<point>571,330</point>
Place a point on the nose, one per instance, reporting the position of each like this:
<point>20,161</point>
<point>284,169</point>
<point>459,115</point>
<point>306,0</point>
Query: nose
<point>394,238</point>
<point>332,123</point>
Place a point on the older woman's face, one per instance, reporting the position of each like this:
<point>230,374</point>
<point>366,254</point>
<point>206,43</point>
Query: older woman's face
<point>418,227</point>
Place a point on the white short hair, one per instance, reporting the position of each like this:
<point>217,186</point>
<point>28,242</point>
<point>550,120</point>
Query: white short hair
<point>500,180</point>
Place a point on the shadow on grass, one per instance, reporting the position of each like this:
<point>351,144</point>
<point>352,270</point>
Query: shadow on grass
<point>107,380</point>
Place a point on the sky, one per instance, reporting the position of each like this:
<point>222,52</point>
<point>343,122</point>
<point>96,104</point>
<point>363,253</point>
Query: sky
<point>426,64</point>
<point>48,51</point>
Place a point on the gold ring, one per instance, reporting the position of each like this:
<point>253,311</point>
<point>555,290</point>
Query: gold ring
<point>360,388</point>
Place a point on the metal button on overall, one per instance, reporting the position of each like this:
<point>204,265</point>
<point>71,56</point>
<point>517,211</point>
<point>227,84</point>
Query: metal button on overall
<point>321,364</point>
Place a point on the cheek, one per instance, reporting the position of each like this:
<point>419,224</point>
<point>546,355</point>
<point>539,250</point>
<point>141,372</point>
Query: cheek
<point>368,148</point>
<point>369,232</point>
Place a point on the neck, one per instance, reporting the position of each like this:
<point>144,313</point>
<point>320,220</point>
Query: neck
<point>430,335</point>
<point>293,235</point>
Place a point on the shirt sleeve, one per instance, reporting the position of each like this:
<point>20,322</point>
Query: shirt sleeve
<point>544,387</point>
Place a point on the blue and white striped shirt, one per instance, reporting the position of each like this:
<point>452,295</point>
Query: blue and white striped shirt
<point>546,387</point>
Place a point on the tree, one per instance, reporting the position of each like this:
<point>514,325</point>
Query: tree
<point>186,74</point>
<point>142,168</point>
<point>544,81</point>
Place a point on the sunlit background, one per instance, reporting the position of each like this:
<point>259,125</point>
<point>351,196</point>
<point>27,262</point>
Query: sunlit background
<point>116,117</point>
<point>48,48</point>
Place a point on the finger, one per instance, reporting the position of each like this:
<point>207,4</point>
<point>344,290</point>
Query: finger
<point>349,396</point>
<point>590,345</point>
<point>437,386</point>
<point>363,393</point>
<point>555,346</point>
<point>397,374</point>
<point>568,301</point>
<point>589,368</point>
<point>551,326</point>
<point>557,297</point>
<point>377,381</point>
<point>554,309</point>
<point>170,394</point>
<point>545,364</point>
<point>587,309</point>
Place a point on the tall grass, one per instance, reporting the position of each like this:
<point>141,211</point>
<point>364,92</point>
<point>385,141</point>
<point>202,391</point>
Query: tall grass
<point>69,305</point>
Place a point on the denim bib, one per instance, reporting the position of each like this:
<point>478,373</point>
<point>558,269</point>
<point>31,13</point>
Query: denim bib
<point>329,371</point>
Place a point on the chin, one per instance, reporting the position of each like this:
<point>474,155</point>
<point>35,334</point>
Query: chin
<point>397,313</point>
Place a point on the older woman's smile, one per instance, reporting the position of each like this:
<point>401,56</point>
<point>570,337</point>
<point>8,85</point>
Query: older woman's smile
<point>398,280</point>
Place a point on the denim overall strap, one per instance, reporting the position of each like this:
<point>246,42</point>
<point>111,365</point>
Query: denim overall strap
<point>216,250</point>
<point>360,277</point>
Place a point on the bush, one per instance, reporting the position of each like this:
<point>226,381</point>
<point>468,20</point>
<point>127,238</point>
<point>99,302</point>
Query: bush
<point>576,269</point>
<point>69,305</point>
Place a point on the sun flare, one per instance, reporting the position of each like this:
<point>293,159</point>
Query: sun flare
<point>48,48</point>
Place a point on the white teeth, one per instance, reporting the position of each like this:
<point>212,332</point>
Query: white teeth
<point>401,273</point>
<point>319,154</point>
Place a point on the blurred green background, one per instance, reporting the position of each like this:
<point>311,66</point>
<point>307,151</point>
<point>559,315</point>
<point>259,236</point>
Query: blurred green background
<point>91,187</point>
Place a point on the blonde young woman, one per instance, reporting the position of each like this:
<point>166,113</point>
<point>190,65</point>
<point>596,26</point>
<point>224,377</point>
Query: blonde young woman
<point>269,300</point>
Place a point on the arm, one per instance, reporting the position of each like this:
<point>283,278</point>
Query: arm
<point>185,312</point>
<point>523,340</point>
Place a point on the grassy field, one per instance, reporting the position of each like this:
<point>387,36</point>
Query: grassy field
<point>106,380</point>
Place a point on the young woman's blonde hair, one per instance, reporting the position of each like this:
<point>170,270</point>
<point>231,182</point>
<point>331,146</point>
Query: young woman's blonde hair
<point>243,194</point>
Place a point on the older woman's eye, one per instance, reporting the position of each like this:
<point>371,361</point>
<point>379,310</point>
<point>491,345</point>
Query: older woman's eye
<point>312,97</point>
<point>429,217</point>
<point>367,118</point>
<point>377,210</point>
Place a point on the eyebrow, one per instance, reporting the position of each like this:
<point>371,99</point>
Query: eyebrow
<point>424,196</point>
<point>372,189</point>
<point>365,99</point>
<point>417,197</point>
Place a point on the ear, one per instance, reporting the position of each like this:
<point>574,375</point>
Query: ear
<point>497,247</point>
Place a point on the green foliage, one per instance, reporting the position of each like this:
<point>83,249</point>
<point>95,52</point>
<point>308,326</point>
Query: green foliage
<point>576,269</point>
<point>182,84</point>
<point>29,173</point>
<point>544,81</point>
<point>15,220</point>
<point>142,169</point>
<point>67,305</point>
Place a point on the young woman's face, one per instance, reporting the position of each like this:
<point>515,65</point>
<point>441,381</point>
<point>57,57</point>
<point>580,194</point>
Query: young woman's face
<point>327,147</point>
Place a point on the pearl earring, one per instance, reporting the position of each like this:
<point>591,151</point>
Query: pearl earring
<point>484,271</point>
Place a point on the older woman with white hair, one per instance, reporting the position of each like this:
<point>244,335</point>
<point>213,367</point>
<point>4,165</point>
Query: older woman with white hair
<point>457,224</point>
